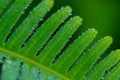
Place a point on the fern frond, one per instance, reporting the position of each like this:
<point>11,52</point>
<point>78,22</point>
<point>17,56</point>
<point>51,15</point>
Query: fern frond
<point>56,44</point>
<point>114,73</point>
<point>28,25</point>
<point>73,51</point>
<point>87,61</point>
<point>5,24</point>
<point>45,31</point>
<point>99,70</point>
<point>49,42</point>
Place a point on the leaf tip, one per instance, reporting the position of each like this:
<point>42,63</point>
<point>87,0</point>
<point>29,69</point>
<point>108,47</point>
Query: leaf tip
<point>68,9</point>
<point>117,51</point>
<point>78,19</point>
<point>93,31</point>
<point>108,40</point>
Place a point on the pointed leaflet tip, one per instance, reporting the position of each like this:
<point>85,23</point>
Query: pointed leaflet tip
<point>108,39</point>
<point>79,19</point>
<point>117,52</point>
<point>93,30</point>
<point>68,9</point>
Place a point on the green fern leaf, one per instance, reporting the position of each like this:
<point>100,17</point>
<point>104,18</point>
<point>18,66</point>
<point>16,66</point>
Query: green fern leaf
<point>87,61</point>
<point>3,4</point>
<point>28,25</point>
<point>44,33</point>
<point>6,24</point>
<point>104,65</point>
<point>47,54</point>
<point>74,50</point>
<point>113,74</point>
<point>58,41</point>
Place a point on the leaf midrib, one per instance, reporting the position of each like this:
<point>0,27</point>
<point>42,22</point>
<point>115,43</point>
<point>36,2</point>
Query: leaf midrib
<point>26,59</point>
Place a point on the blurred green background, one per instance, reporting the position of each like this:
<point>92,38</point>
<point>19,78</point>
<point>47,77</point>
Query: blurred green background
<point>103,15</point>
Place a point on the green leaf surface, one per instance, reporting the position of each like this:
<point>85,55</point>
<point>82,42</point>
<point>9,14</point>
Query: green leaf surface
<point>45,31</point>
<point>74,50</point>
<point>56,44</point>
<point>28,25</point>
<point>48,42</point>
<point>107,63</point>
<point>87,60</point>
<point>114,73</point>
<point>3,4</point>
<point>5,24</point>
